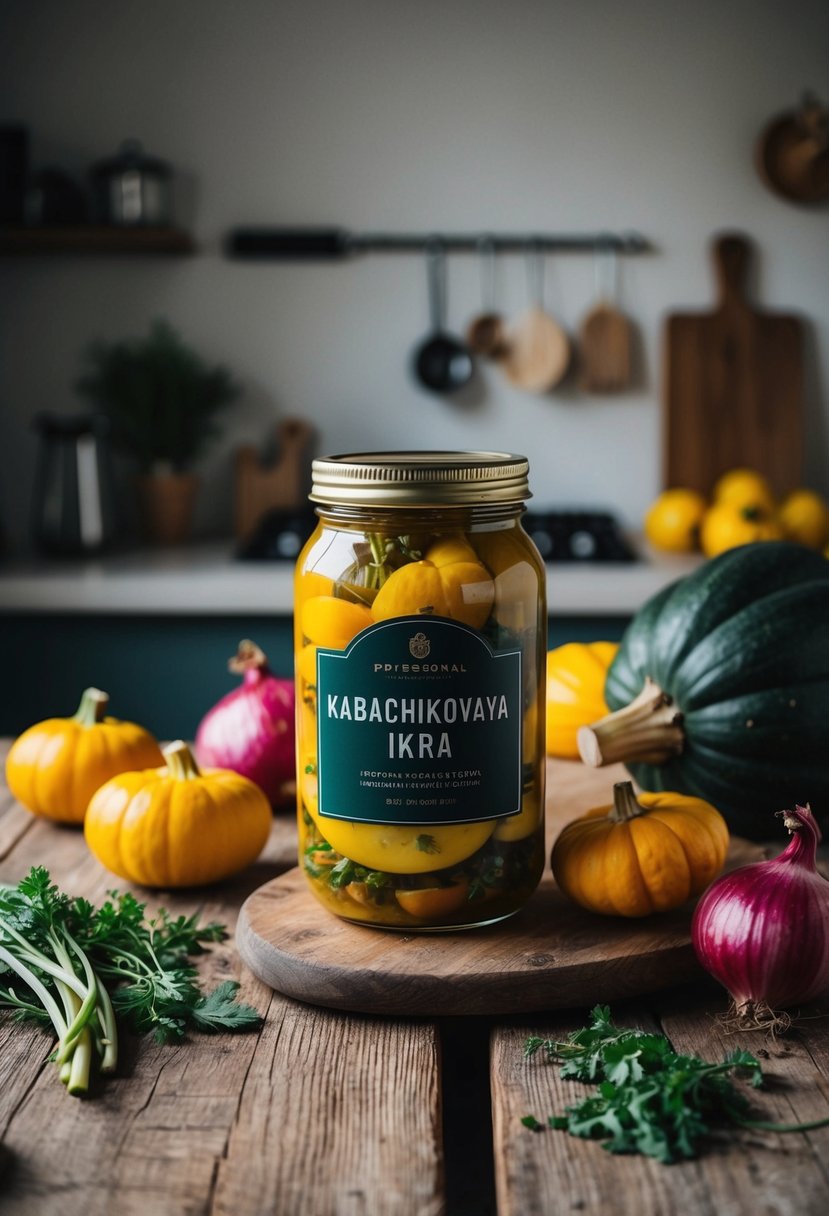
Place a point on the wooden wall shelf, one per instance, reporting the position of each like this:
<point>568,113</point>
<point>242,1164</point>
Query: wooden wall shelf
<point>90,239</point>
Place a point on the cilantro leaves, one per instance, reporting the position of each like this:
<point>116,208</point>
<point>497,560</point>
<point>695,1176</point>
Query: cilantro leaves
<point>84,969</point>
<point>648,1099</point>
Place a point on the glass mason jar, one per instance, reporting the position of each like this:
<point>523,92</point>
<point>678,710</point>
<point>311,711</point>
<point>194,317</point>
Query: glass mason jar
<point>420,634</point>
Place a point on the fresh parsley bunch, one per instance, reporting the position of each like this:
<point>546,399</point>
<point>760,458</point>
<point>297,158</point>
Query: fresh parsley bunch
<point>83,968</point>
<point>648,1098</point>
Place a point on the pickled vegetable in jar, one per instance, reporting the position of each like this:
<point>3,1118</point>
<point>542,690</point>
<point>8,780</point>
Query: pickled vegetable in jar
<point>420,635</point>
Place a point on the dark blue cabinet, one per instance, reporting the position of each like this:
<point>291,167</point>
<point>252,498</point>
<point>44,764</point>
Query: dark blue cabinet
<point>161,671</point>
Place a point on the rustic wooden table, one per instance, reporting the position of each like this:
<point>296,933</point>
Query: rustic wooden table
<point>350,1115</point>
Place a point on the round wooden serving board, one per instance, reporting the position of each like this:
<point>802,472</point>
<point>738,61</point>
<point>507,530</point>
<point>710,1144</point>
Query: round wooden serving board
<point>551,955</point>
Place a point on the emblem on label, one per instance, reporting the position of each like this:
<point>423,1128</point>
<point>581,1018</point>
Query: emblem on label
<point>419,646</point>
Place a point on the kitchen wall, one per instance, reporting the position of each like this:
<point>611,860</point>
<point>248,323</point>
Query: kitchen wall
<point>380,114</point>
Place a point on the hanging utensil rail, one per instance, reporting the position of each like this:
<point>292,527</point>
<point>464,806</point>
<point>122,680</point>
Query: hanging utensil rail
<point>301,244</point>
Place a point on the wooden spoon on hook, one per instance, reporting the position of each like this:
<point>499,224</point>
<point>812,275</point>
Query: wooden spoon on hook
<point>537,353</point>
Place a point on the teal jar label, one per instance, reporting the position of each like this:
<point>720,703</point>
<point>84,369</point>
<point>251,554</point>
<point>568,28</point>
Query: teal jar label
<point>419,721</point>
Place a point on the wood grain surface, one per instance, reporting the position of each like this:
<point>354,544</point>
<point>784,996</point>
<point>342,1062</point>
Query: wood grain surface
<point>326,1114</point>
<point>740,1172</point>
<point>733,386</point>
<point>238,1124</point>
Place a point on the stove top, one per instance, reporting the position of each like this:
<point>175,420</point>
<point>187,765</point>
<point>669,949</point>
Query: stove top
<point>561,536</point>
<point>582,536</point>
<point>578,536</point>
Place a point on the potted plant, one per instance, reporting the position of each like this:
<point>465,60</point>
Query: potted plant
<point>162,400</point>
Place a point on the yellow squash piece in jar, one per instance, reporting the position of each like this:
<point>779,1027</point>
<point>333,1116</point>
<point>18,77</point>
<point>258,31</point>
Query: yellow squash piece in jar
<point>306,663</point>
<point>309,584</point>
<point>450,581</point>
<point>449,550</point>
<point>516,579</point>
<point>329,621</point>
<point>527,821</point>
<point>429,903</point>
<point>396,849</point>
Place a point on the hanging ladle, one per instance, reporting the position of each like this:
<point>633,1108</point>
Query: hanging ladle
<point>442,363</point>
<point>486,334</point>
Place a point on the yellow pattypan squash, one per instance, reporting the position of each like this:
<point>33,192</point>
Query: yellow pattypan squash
<point>804,517</point>
<point>725,526</point>
<point>641,855</point>
<point>745,488</point>
<point>449,581</point>
<point>673,520</point>
<point>177,826</point>
<point>56,766</point>
<point>576,675</point>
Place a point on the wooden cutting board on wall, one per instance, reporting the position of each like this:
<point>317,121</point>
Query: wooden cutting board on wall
<point>733,390</point>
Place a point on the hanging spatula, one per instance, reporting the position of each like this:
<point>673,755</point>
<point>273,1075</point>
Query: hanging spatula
<point>605,334</point>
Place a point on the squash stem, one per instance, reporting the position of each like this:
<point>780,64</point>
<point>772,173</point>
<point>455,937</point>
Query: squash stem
<point>625,804</point>
<point>647,731</point>
<point>92,708</point>
<point>181,762</point>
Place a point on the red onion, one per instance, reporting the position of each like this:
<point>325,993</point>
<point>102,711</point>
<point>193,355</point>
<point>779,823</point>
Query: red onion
<point>251,730</point>
<point>763,930</point>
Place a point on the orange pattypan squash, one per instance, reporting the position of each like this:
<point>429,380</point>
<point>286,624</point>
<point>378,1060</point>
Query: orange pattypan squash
<point>56,766</point>
<point>641,855</point>
<point>177,826</point>
<point>576,674</point>
<point>450,581</point>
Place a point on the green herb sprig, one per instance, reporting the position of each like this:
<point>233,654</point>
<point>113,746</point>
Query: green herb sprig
<point>649,1099</point>
<point>83,968</point>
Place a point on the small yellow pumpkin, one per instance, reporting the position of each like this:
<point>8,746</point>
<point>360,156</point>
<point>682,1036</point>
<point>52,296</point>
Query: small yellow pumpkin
<point>177,826</point>
<point>640,855</point>
<point>727,525</point>
<point>745,488</point>
<point>673,520</point>
<point>576,675</point>
<point>804,518</point>
<point>56,766</point>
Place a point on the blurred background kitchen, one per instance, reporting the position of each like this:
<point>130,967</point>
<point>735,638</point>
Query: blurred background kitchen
<point>472,117</point>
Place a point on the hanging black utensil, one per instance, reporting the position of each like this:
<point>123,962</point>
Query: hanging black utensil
<point>442,363</point>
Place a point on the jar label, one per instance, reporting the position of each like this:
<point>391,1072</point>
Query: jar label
<point>419,721</point>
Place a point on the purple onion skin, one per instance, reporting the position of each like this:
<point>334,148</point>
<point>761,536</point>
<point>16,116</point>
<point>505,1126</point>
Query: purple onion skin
<point>251,731</point>
<point>763,930</point>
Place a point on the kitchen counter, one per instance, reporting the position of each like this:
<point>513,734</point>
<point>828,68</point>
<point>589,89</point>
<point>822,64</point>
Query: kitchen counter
<point>206,580</point>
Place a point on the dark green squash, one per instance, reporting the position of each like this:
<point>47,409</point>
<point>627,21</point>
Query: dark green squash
<point>720,688</point>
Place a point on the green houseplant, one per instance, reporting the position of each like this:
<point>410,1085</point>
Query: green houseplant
<point>162,401</point>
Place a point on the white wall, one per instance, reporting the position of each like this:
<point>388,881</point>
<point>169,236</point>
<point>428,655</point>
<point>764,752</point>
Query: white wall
<point>383,114</point>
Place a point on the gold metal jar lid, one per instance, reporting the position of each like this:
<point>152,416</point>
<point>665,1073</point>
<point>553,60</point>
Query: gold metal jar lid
<point>420,479</point>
